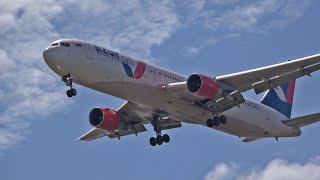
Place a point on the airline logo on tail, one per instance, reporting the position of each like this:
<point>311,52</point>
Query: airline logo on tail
<point>138,72</point>
<point>285,92</point>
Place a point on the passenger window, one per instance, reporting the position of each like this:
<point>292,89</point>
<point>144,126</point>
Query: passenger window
<point>65,44</point>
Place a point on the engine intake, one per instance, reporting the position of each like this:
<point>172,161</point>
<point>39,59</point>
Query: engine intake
<point>203,86</point>
<point>104,118</point>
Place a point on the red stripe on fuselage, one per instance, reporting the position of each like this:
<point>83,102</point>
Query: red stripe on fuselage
<point>141,67</point>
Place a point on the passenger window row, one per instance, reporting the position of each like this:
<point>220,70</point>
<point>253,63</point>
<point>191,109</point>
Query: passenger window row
<point>168,76</point>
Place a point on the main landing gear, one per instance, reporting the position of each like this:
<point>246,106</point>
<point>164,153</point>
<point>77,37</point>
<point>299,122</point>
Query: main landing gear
<point>68,80</point>
<point>159,139</point>
<point>216,121</point>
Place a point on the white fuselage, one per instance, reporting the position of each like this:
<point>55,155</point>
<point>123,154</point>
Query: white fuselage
<point>104,71</point>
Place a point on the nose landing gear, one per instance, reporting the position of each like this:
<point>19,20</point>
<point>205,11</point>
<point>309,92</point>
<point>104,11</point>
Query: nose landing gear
<point>68,80</point>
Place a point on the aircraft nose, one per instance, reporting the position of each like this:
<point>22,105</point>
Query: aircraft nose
<point>46,55</point>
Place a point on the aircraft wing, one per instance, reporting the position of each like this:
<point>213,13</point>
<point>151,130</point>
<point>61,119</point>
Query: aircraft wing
<point>260,79</point>
<point>303,120</point>
<point>94,133</point>
<point>264,78</point>
<point>135,116</point>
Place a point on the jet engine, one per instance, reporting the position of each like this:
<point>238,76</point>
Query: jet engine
<point>104,118</point>
<point>203,86</point>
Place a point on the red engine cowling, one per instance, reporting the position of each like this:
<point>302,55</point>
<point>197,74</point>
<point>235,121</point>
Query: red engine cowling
<point>203,86</point>
<point>104,118</point>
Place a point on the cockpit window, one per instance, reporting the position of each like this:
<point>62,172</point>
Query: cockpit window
<point>54,44</point>
<point>65,44</point>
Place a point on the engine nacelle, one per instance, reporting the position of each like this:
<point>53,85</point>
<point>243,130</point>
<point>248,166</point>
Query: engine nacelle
<point>203,86</point>
<point>104,118</point>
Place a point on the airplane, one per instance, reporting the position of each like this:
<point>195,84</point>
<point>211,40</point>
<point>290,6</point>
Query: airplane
<point>166,99</point>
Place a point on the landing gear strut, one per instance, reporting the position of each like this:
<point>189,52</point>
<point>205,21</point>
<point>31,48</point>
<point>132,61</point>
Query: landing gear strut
<point>216,121</point>
<point>68,80</point>
<point>159,139</point>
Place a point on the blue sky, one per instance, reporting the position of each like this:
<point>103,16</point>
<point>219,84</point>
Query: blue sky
<point>39,124</point>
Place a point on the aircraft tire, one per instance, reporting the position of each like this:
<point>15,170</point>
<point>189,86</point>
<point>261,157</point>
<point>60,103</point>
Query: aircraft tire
<point>74,92</point>
<point>166,138</point>
<point>210,123</point>
<point>153,141</point>
<point>69,93</point>
<point>216,121</point>
<point>223,119</point>
<point>159,139</point>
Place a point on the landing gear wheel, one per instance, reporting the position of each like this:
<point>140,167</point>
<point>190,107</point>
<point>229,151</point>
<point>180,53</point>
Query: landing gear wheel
<point>68,80</point>
<point>153,141</point>
<point>74,91</point>
<point>166,138</point>
<point>223,119</point>
<point>216,121</point>
<point>69,93</point>
<point>210,123</point>
<point>159,139</point>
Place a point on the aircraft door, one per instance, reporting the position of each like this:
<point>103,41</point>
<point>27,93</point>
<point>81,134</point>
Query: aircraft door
<point>267,114</point>
<point>89,51</point>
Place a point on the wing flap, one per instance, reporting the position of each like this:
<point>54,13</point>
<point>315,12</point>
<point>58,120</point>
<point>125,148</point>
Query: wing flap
<point>230,101</point>
<point>251,139</point>
<point>170,125</point>
<point>138,128</point>
<point>303,120</point>
<point>243,81</point>
<point>225,103</point>
<point>278,80</point>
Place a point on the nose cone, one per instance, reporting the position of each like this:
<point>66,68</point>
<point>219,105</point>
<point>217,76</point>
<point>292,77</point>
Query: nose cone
<point>51,61</point>
<point>46,55</point>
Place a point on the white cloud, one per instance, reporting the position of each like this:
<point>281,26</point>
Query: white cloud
<point>222,18</point>
<point>29,90</point>
<point>257,15</point>
<point>131,26</point>
<point>198,46</point>
<point>275,169</point>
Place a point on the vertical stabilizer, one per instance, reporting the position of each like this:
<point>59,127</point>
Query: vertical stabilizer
<point>280,98</point>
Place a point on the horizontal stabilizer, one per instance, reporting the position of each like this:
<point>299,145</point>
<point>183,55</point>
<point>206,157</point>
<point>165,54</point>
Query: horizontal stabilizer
<point>303,120</point>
